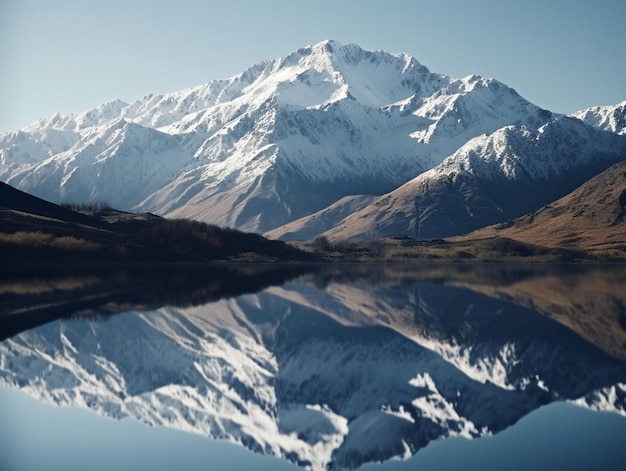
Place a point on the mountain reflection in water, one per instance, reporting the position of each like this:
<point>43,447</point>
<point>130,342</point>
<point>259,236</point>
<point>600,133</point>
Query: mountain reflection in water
<point>325,366</point>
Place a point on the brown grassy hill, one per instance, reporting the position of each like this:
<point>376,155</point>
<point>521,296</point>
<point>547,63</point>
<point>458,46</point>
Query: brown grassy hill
<point>592,218</point>
<point>33,230</point>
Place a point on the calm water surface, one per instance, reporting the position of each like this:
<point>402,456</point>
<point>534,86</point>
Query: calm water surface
<point>372,367</point>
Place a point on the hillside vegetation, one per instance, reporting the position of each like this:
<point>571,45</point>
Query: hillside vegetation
<point>34,230</point>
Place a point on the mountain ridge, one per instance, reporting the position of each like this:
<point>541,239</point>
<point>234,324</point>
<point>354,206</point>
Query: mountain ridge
<point>331,115</point>
<point>493,178</point>
<point>35,231</point>
<point>283,139</point>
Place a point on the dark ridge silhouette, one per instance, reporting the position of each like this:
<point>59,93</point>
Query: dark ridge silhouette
<point>35,231</point>
<point>17,200</point>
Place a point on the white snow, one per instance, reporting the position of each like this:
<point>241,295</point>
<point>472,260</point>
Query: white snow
<point>326,113</point>
<point>608,118</point>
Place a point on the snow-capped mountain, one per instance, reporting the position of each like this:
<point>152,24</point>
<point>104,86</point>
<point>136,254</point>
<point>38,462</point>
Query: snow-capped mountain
<point>277,142</point>
<point>328,379</point>
<point>609,118</point>
<point>115,163</point>
<point>490,179</point>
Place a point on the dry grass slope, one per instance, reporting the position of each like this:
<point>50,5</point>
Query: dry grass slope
<point>590,219</point>
<point>33,230</point>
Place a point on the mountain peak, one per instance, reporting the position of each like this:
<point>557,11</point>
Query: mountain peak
<point>279,141</point>
<point>608,118</point>
<point>324,48</point>
<point>328,45</point>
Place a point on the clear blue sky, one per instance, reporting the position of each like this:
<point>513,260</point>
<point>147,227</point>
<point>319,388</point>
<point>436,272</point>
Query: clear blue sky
<point>71,55</point>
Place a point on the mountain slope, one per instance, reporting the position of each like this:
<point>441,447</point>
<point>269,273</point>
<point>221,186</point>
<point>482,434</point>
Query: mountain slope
<point>34,231</point>
<point>14,200</point>
<point>329,120</point>
<point>593,217</point>
<point>492,178</point>
<point>311,226</point>
<point>116,163</point>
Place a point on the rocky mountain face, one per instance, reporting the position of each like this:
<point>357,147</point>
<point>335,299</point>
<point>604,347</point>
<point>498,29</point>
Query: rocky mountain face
<point>327,378</point>
<point>492,178</point>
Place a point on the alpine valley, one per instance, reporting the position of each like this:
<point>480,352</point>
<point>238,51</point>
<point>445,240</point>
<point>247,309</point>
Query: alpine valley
<point>331,139</point>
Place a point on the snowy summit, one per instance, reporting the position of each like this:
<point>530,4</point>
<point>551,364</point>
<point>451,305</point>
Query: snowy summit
<point>275,143</point>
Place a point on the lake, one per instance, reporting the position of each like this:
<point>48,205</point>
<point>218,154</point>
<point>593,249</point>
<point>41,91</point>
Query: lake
<point>314,367</point>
